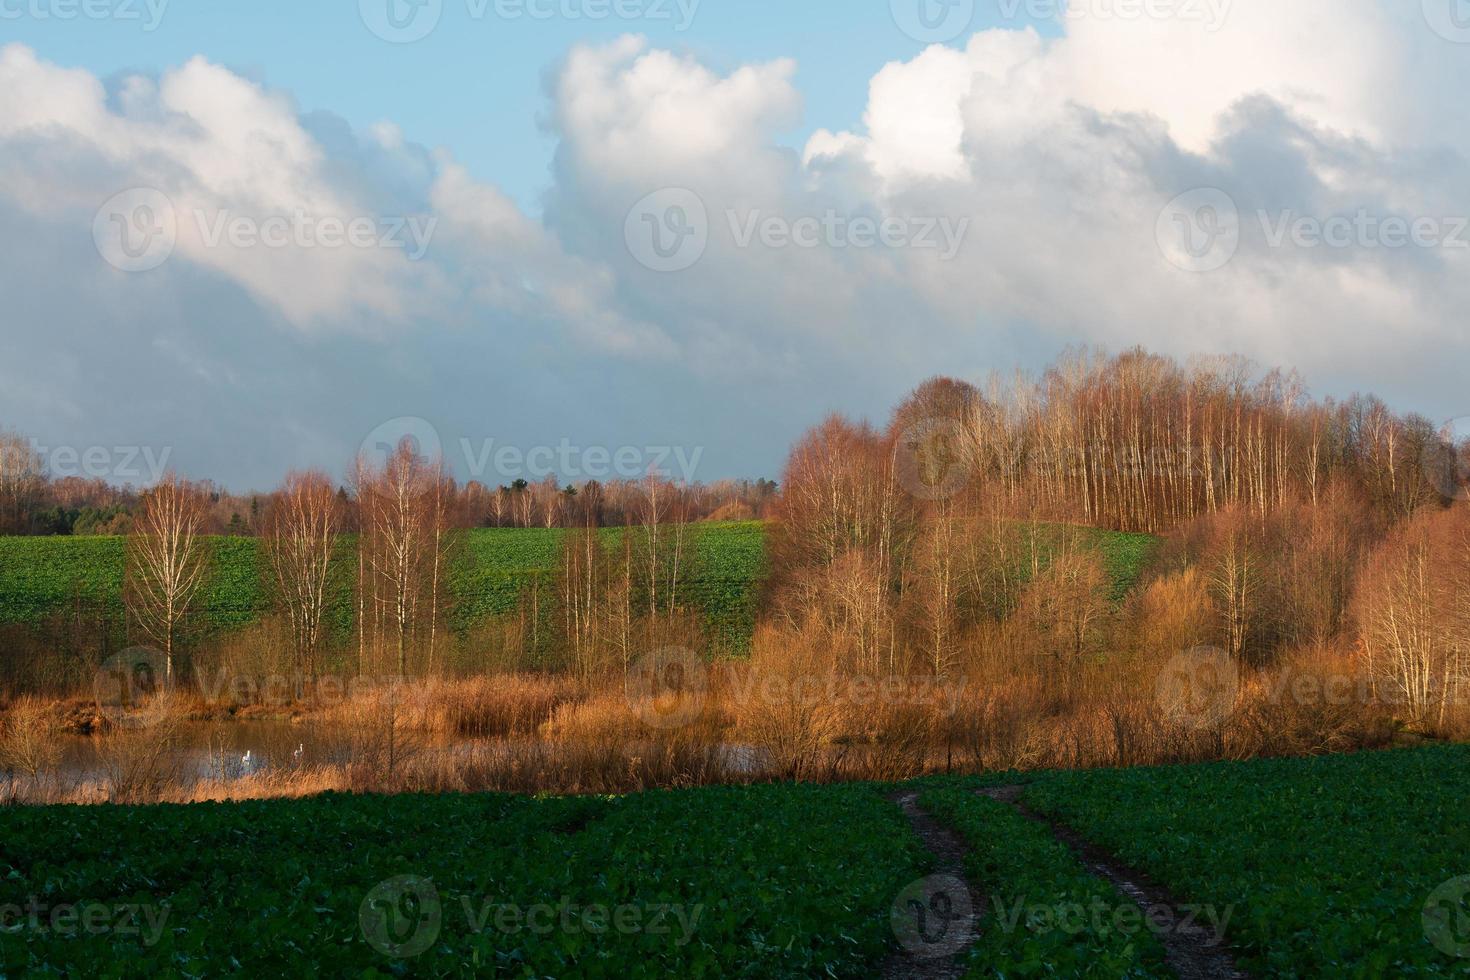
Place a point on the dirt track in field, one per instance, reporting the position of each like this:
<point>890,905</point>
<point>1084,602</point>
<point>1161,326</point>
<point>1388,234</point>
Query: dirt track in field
<point>950,851</point>
<point>1190,947</point>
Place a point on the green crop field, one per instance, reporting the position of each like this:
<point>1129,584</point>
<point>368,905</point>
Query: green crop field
<point>1029,880</point>
<point>1352,866</point>
<point>1328,863</point>
<point>490,571</point>
<point>763,881</point>
<point>491,568</point>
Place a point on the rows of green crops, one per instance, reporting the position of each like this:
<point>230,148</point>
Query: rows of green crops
<point>491,570</point>
<point>1345,866</point>
<point>765,881</point>
<point>1041,911</point>
<point>1354,866</point>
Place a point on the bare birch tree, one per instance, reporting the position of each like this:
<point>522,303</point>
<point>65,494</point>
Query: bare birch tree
<point>303,528</point>
<point>167,562</point>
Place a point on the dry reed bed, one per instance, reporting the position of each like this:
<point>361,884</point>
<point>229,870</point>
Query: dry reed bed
<point>531,734</point>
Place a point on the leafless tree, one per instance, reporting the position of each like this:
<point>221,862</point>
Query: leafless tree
<point>403,510</point>
<point>303,528</point>
<point>22,478</point>
<point>167,561</point>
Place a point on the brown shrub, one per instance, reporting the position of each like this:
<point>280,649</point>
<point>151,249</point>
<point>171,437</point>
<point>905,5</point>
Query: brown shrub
<point>30,732</point>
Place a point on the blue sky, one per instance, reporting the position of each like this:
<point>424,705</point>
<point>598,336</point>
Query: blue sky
<point>475,84</point>
<point>1033,186</point>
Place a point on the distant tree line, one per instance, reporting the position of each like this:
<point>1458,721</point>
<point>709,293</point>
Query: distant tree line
<point>32,503</point>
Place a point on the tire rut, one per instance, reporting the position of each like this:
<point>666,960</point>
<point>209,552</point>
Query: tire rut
<point>1192,950</point>
<point>922,955</point>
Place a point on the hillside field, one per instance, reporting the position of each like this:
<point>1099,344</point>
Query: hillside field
<point>490,570</point>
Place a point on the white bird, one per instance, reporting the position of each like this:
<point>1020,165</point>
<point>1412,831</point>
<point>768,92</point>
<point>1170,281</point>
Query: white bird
<point>245,760</point>
<point>300,751</point>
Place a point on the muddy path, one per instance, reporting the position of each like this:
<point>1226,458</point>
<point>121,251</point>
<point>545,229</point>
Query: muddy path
<point>936,920</point>
<point>1191,945</point>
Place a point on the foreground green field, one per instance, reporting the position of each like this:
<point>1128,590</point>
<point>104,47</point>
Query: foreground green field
<point>1045,912</point>
<point>764,881</point>
<point>1331,865</point>
<point>1347,867</point>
